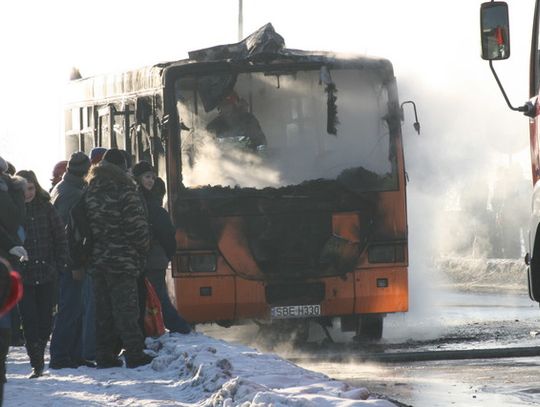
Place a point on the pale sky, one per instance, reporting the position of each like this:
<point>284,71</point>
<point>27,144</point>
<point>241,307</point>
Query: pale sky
<point>434,46</point>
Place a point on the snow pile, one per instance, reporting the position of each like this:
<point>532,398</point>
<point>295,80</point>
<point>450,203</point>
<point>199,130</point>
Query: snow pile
<point>187,370</point>
<point>484,274</point>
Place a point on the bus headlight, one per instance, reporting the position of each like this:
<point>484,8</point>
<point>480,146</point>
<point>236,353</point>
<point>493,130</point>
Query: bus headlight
<point>202,263</point>
<point>386,253</point>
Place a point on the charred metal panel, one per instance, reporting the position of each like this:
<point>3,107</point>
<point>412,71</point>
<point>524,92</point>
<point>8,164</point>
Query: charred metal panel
<point>287,232</point>
<point>263,42</point>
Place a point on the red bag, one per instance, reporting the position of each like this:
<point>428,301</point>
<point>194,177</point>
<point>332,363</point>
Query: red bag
<point>153,318</point>
<point>15,292</point>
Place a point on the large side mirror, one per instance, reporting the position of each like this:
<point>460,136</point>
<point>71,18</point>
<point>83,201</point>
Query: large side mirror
<point>495,30</point>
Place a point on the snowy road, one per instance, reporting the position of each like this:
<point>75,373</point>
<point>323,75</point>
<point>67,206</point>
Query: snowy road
<point>455,321</point>
<point>463,321</point>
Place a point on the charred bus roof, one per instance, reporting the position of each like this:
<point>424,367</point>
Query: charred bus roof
<point>264,50</point>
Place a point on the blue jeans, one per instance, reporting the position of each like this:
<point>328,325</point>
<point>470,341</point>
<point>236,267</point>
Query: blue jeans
<point>73,336</point>
<point>172,320</point>
<point>89,320</point>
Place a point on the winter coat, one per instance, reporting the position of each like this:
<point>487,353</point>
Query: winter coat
<point>118,221</point>
<point>12,210</point>
<point>163,240</point>
<point>45,243</point>
<point>66,193</point>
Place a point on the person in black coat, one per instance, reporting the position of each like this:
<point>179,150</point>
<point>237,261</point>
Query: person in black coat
<point>162,248</point>
<point>48,254</point>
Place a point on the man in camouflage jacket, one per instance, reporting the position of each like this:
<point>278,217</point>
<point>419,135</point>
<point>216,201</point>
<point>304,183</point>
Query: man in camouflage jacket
<point>121,239</point>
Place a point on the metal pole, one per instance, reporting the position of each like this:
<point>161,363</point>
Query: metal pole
<point>240,21</point>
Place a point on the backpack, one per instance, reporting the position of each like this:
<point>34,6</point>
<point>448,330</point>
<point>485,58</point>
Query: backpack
<point>79,235</point>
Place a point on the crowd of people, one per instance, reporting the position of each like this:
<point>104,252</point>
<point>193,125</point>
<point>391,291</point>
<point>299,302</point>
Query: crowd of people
<point>93,316</point>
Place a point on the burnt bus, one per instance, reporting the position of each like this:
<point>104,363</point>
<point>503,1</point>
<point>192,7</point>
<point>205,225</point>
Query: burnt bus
<point>285,177</point>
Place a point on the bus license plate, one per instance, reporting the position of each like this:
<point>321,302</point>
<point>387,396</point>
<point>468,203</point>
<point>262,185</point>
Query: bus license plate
<point>296,311</point>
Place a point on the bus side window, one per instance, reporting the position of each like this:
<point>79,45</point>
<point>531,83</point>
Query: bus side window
<point>71,136</point>
<point>103,125</point>
<point>144,130</point>
<point>79,132</point>
<point>118,133</point>
<point>87,130</point>
<point>123,119</point>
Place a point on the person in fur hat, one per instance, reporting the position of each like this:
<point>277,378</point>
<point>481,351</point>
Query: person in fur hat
<point>121,241</point>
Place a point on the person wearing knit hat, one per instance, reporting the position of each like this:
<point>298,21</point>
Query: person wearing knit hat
<point>3,165</point>
<point>116,157</point>
<point>96,155</point>
<point>78,164</point>
<point>141,167</point>
<point>72,347</point>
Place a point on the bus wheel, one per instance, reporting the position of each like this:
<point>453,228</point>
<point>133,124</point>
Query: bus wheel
<point>370,328</point>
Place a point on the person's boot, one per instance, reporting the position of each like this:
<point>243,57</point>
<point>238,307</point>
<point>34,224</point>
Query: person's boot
<point>36,354</point>
<point>107,361</point>
<point>139,360</point>
<point>36,372</point>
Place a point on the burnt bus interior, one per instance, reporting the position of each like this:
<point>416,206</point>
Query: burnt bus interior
<point>291,109</point>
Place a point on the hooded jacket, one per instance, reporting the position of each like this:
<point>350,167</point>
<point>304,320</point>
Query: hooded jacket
<point>66,193</point>
<point>118,221</point>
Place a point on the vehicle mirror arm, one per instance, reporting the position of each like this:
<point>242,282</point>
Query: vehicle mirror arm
<point>416,123</point>
<point>527,109</point>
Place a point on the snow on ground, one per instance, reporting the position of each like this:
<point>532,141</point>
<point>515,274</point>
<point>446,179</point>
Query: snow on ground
<point>189,370</point>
